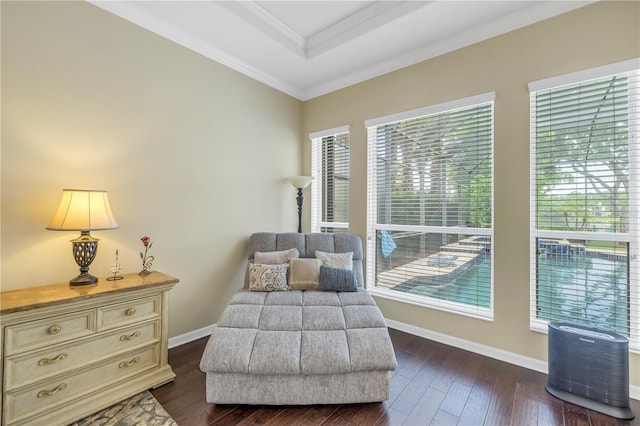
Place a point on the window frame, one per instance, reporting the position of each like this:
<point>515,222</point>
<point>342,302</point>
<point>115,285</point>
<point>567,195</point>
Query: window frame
<point>317,166</point>
<point>459,308</point>
<point>632,237</point>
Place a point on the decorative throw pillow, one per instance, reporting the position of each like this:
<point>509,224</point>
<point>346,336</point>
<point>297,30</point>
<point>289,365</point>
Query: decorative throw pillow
<point>304,274</point>
<point>336,260</point>
<point>275,257</point>
<point>267,277</point>
<point>337,279</point>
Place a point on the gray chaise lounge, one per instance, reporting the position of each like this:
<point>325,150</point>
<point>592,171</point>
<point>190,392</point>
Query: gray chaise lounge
<point>300,347</point>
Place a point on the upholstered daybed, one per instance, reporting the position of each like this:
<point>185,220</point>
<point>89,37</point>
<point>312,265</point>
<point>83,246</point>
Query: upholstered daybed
<point>299,347</point>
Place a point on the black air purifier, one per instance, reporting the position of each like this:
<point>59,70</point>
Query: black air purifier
<point>589,367</point>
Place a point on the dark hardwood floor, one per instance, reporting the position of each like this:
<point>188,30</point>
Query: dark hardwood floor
<point>433,384</point>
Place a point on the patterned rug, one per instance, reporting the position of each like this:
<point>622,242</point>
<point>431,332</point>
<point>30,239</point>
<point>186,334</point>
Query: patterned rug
<point>139,410</point>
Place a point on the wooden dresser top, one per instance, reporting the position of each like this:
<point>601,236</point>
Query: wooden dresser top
<point>53,294</point>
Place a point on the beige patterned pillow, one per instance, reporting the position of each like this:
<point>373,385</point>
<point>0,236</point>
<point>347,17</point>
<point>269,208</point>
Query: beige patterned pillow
<point>267,277</point>
<point>304,274</point>
<point>336,260</point>
<point>275,257</point>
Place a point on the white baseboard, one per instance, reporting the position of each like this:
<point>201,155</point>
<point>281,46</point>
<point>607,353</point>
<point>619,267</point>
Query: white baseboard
<point>190,336</point>
<point>491,352</point>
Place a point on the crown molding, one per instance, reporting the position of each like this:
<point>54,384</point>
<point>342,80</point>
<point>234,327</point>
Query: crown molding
<point>364,20</point>
<point>360,22</point>
<point>261,19</point>
<point>131,13</point>
<point>339,33</point>
<point>524,17</point>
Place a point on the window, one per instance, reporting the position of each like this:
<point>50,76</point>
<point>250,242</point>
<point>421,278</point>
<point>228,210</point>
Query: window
<point>585,191</point>
<point>330,189</point>
<point>430,204</point>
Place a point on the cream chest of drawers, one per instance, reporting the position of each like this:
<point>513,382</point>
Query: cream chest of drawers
<point>68,352</point>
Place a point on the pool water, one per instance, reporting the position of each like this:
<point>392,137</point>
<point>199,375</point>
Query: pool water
<point>472,287</point>
<point>590,290</point>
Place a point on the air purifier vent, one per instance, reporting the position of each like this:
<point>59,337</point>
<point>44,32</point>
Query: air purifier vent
<point>589,367</point>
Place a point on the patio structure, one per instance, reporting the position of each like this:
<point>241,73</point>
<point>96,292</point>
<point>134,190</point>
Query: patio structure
<point>437,270</point>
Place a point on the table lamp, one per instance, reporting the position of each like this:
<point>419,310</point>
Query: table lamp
<point>84,211</point>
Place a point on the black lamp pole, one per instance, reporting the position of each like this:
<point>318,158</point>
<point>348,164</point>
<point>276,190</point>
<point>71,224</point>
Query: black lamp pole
<point>300,201</point>
<point>300,183</point>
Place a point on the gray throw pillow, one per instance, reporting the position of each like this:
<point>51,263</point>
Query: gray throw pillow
<point>337,279</point>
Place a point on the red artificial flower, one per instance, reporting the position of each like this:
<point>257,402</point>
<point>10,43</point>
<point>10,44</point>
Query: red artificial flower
<point>146,260</point>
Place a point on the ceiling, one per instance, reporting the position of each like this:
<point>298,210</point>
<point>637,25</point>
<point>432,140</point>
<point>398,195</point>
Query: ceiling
<point>309,48</point>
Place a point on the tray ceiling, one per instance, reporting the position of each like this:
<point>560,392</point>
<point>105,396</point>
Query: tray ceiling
<point>310,48</point>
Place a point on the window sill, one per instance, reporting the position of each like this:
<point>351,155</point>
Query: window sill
<point>440,305</point>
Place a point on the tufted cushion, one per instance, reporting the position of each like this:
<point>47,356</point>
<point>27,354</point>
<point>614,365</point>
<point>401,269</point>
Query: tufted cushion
<point>301,346</point>
<point>300,332</point>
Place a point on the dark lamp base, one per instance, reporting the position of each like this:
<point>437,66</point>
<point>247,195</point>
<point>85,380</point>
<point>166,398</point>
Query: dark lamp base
<point>85,248</point>
<point>83,279</point>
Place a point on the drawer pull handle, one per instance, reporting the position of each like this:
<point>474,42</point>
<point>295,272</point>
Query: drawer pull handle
<point>125,364</point>
<point>124,338</point>
<point>54,329</point>
<point>47,361</point>
<point>130,312</point>
<point>44,393</point>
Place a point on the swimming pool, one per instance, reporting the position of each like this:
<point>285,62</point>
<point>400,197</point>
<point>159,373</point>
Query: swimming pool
<point>591,290</point>
<point>472,287</point>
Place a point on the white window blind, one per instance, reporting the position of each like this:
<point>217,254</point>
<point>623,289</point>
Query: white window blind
<point>585,192</point>
<point>430,206</point>
<point>330,188</point>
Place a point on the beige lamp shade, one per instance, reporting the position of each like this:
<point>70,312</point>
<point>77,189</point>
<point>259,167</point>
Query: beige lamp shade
<point>300,181</point>
<point>83,210</point>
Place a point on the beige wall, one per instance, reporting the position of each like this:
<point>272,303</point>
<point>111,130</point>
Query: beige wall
<point>595,35</point>
<point>193,154</point>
